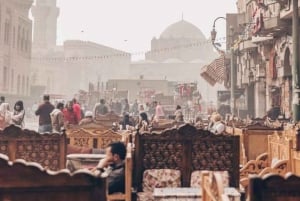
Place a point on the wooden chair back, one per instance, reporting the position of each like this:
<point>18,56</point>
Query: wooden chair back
<point>186,149</point>
<point>279,148</point>
<point>274,187</point>
<point>49,150</point>
<point>25,181</point>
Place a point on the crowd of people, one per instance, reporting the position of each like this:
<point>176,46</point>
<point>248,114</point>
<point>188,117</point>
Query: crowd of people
<point>55,118</point>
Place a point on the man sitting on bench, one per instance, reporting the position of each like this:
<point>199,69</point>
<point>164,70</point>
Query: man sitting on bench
<point>113,166</point>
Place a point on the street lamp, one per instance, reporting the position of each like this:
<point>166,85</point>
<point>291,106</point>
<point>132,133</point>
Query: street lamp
<point>232,67</point>
<point>213,35</point>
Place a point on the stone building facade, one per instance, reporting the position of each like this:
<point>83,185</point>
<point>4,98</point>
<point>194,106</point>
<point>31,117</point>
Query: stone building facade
<point>15,47</point>
<point>264,55</point>
<point>72,65</point>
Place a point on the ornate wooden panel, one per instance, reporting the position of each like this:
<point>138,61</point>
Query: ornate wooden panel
<point>81,137</point>
<point>186,149</point>
<point>22,181</point>
<point>47,149</point>
<point>280,148</point>
<point>108,137</point>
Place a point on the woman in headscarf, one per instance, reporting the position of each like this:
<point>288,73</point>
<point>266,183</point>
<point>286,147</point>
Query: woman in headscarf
<point>5,115</point>
<point>18,114</point>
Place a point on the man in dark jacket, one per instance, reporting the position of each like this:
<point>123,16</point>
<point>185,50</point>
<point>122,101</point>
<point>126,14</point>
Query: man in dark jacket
<point>114,166</point>
<point>43,112</point>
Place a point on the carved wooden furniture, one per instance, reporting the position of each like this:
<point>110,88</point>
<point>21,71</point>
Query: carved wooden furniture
<point>274,187</point>
<point>92,138</point>
<point>49,150</point>
<point>279,159</point>
<point>158,178</point>
<point>213,188</point>
<point>22,181</point>
<point>254,138</point>
<point>128,179</point>
<point>178,194</point>
<point>83,161</point>
<point>254,166</point>
<point>186,149</point>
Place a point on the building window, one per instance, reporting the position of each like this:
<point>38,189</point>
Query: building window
<point>22,39</point>
<point>6,32</point>
<point>18,84</point>
<point>12,80</point>
<point>5,78</point>
<point>26,41</point>
<point>27,86</point>
<point>23,84</point>
<point>14,37</point>
<point>19,37</point>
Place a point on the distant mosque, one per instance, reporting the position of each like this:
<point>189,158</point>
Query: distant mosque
<point>176,56</point>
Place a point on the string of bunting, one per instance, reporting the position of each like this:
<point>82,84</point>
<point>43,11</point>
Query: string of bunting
<point>124,54</point>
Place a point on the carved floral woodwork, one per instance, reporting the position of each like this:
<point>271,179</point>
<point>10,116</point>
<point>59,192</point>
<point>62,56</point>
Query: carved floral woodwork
<point>92,138</point>
<point>49,150</point>
<point>187,149</point>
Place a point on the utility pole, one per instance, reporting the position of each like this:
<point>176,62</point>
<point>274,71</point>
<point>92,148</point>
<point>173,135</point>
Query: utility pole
<point>232,74</point>
<point>295,69</point>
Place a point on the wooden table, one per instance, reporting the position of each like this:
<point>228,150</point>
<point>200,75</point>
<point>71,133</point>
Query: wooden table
<point>80,161</point>
<point>178,194</point>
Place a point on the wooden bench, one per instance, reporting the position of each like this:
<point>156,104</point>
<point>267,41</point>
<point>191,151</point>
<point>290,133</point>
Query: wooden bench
<point>186,149</point>
<point>22,181</point>
<point>274,187</point>
<point>128,179</point>
<point>49,150</point>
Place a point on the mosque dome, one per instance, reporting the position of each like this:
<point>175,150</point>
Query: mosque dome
<point>182,29</point>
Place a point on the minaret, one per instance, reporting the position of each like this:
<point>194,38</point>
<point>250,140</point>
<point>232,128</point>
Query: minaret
<point>45,14</point>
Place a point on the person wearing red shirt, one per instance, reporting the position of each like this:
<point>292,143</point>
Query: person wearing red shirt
<point>70,117</point>
<point>77,109</point>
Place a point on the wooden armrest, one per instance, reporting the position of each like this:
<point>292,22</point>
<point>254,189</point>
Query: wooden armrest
<point>251,167</point>
<point>280,167</point>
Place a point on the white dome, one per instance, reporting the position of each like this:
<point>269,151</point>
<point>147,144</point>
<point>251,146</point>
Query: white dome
<point>182,29</point>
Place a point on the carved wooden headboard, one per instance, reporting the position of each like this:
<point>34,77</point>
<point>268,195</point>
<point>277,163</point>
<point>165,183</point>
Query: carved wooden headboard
<point>186,149</point>
<point>23,181</point>
<point>47,149</point>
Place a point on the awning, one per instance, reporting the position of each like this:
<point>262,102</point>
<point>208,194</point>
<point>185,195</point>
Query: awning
<point>215,71</point>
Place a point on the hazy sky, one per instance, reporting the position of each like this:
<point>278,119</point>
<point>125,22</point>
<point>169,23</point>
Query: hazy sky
<point>130,25</point>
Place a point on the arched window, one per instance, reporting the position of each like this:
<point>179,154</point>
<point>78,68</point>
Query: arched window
<point>5,78</point>
<point>23,84</point>
<point>18,84</point>
<point>27,85</point>
<point>272,64</point>
<point>12,80</point>
<point>287,63</point>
